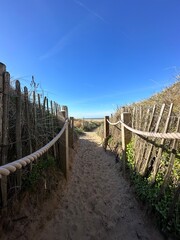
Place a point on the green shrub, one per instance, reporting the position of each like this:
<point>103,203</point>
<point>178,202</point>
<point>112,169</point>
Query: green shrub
<point>38,172</point>
<point>160,202</point>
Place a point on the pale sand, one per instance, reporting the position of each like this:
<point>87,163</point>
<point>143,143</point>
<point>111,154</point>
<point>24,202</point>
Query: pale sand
<point>98,203</point>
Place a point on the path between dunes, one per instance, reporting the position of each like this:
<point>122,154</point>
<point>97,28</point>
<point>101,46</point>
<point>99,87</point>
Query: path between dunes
<point>98,203</point>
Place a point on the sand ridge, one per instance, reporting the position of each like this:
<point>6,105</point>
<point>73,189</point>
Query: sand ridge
<point>98,203</point>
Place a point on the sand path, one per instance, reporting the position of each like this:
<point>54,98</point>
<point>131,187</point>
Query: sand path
<point>98,203</point>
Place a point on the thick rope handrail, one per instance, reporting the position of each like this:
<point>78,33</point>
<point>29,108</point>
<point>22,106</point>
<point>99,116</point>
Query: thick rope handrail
<point>6,169</point>
<point>113,124</point>
<point>148,134</point>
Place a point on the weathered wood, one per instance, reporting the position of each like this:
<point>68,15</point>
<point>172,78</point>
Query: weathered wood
<point>2,70</point>
<point>126,136</point>
<point>106,127</point>
<point>133,117</point>
<point>45,120</point>
<point>64,151</point>
<point>39,101</point>
<point>55,107</point>
<point>140,117</point>
<point>18,120</point>
<point>52,129</point>
<point>27,118</point>
<point>138,126</point>
<point>5,132</point>
<point>139,156</point>
<point>44,106</point>
<point>159,155</point>
<point>5,114</point>
<point>147,160</point>
<point>18,129</point>
<point>35,119</point>
<point>67,148</point>
<point>141,162</point>
<point>72,131</point>
<point>171,159</point>
<point>47,102</point>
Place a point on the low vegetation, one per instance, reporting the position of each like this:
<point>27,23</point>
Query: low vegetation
<point>159,199</point>
<point>82,125</point>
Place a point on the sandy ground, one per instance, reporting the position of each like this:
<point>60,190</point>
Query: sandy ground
<point>98,203</point>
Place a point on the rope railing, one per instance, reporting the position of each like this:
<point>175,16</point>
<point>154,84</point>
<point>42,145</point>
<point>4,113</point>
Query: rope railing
<point>6,169</point>
<point>148,134</point>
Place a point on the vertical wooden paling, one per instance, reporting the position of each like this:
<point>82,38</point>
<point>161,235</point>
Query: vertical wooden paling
<point>147,160</point>
<point>35,119</point>
<point>126,135</point>
<point>45,120</point>
<point>5,131</point>
<point>2,70</point>
<point>172,158</point>
<point>67,144</point>
<point>141,143</point>
<point>26,103</point>
<point>137,124</point>
<point>141,161</point>
<point>52,129</point>
<point>18,129</point>
<point>158,158</point>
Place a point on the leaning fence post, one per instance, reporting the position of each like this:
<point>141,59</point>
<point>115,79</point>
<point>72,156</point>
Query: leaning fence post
<point>106,127</point>
<point>126,135</point>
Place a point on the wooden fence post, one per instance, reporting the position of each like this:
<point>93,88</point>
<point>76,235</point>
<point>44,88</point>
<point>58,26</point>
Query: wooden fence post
<point>126,135</point>
<point>65,148</point>
<point>2,70</point>
<point>18,129</point>
<point>27,119</point>
<point>35,119</point>
<point>52,128</point>
<point>106,127</point>
<point>4,107</point>
<point>72,131</point>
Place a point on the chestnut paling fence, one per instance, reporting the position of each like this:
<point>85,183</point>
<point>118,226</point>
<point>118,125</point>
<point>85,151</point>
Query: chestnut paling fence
<point>30,126</point>
<point>155,131</point>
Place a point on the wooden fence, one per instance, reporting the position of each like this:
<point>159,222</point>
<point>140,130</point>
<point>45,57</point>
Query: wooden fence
<point>155,132</point>
<point>28,122</point>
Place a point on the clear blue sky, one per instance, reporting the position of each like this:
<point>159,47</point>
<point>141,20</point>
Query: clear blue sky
<point>92,55</point>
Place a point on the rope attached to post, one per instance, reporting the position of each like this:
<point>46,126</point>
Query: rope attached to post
<point>148,134</point>
<point>6,169</point>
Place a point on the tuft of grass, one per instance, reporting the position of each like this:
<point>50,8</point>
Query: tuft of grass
<point>38,173</point>
<point>78,131</point>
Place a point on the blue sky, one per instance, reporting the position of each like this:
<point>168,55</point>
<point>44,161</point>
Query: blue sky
<point>92,55</point>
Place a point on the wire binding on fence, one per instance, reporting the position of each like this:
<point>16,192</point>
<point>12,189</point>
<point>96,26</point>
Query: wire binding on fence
<point>148,134</point>
<point>6,169</point>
